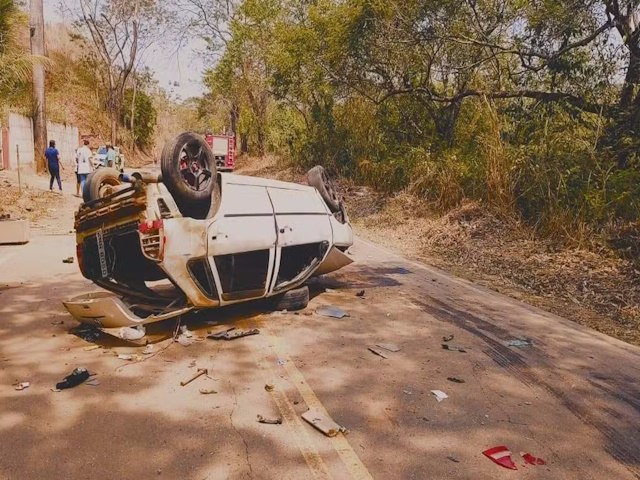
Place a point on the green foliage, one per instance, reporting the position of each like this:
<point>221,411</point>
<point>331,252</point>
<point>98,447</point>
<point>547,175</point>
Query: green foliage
<point>15,62</point>
<point>144,117</point>
<point>512,103</point>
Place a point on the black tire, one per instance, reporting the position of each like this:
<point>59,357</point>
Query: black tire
<point>317,177</point>
<point>296,299</point>
<point>97,183</point>
<point>189,173</point>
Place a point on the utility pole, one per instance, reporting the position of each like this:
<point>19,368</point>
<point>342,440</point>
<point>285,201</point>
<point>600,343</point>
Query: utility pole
<point>39,115</point>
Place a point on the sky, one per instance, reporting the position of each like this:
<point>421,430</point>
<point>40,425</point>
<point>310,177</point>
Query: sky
<point>184,67</point>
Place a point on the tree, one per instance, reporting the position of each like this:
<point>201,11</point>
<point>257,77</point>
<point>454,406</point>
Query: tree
<point>15,63</point>
<point>140,104</point>
<point>119,32</point>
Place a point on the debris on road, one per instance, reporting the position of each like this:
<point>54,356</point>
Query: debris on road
<point>331,311</point>
<point>360,294</point>
<point>86,332</point>
<point>377,351</point>
<point>520,343</point>
<point>389,346</point>
<point>281,362</point>
<point>125,356</point>
<point>186,336</point>
<point>233,333</point>
<point>269,387</point>
<point>455,379</point>
<point>453,459</point>
<point>199,373</point>
<point>454,348</point>
<point>94,382</point>
<point>323,423</point>
<point>269,421</point>
<point>21,386</point>
<point>448,338</point>
<point>531,460</point>
<point>131,333</point>
<point>91,347</point>
<point>440,395</point>
<point>207,391</point>
<point>58,322</point>
<point>500,455</point>
<point>75,378</point>
<point>148,349</point>
<point>67,260</point>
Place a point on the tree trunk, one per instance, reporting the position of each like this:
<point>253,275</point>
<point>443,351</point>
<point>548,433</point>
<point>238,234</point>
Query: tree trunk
<point>234,114</point>
<point>631,80</point>
<point>133,114</point>
<point>114,127</point>
<point>39,106</point>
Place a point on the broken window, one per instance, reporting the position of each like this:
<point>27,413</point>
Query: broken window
<point>243,275</point>
<point>201,273</point>
<point>297,260</point>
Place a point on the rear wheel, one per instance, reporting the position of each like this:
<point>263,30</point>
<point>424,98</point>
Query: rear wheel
<point>100,184</point>
<point>295,299</point>
<point>189,173</point>
<point>318,178</point>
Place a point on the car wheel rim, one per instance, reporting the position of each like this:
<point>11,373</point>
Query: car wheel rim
<point>328,185</point>
<point>194,167</point>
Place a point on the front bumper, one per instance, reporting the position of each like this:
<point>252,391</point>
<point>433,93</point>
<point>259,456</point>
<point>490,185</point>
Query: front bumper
<point>106,310</point>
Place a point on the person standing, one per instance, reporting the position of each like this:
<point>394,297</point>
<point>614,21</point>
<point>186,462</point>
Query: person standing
<point>111,156</point>
<point>53,164</point>
<point>83,164</point>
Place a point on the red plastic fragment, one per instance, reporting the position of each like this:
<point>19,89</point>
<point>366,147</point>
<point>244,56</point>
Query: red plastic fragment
<point>531,460</point>
<point>500,455</point>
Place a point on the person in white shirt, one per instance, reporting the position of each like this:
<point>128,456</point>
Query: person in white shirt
<point>83,164</point>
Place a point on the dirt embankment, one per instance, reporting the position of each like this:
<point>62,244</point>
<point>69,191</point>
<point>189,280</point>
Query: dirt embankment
<point>593,288</point>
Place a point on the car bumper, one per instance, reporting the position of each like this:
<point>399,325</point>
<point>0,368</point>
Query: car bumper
<point>106,310</point>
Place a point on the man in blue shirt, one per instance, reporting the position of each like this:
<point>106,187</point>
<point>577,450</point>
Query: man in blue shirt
<point>53,164</point>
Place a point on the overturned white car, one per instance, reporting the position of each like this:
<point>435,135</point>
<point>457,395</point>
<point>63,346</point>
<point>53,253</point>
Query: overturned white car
<point>193,238</point>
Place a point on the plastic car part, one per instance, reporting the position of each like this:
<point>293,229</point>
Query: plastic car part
<point>500,455</point>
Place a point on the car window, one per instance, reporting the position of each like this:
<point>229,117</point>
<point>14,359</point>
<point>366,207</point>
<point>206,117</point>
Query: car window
<point>243,275</point>
<point>102,151</point>
<point>296,260</point>
<point>201,273</point>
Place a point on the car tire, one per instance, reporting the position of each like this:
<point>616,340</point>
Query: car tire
<point>194,187</point>
<point>94,186</point>
<point>317,177</point>
<point>296,299</point>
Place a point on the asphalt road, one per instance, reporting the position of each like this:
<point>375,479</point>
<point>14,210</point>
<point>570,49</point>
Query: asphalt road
<point>571,398</point>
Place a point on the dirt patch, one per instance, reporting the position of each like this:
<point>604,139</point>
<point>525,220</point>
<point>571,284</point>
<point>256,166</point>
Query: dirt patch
<point>593,288</point>
<point>29,203</point>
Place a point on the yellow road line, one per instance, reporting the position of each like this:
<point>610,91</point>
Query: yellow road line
<point>352,462</point>
<point>311,456</point>
<point>297,429</point>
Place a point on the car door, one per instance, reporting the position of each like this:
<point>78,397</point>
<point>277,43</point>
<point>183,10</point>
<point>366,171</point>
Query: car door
<point>242,241</point>
<point>304,234</point>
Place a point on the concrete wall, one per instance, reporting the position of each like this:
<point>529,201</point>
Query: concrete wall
<point>67,140</point>
<point>21,134</point>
